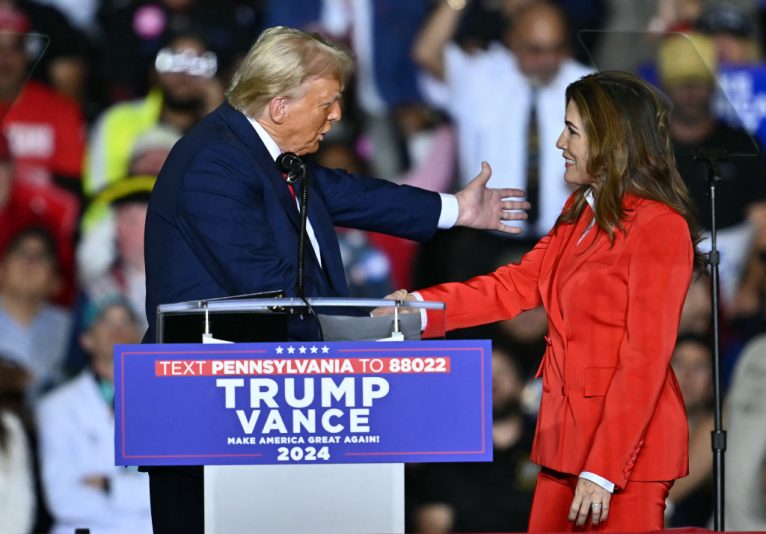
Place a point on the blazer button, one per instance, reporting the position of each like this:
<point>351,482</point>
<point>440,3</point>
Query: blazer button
<point>548,340</point>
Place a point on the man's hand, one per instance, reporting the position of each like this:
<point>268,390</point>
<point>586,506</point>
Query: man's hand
<point>484,208</point>
<point>589,498</point>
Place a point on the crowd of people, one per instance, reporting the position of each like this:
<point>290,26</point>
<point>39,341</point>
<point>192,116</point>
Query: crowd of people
<point>93,96</point>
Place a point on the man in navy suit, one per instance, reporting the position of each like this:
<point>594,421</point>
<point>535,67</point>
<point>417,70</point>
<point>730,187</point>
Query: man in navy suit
<point>222,220</point>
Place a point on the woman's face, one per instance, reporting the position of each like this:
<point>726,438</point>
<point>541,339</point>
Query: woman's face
<point>573,143</point>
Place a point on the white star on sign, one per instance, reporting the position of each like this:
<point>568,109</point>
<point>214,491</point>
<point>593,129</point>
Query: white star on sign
<point>325,349</point>
<point>314,350</point>
<point>279,350</point>
<point>302,350</point>
<point>290,350</point>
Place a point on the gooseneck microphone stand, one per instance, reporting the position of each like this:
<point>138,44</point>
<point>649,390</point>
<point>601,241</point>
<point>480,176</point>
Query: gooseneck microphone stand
<point>711,157</point>
<point>295,169</point>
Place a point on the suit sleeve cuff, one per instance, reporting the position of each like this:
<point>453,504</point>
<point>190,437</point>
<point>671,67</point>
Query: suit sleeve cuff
<point>423,314</point>
<point>601,481</point>
<point>449,213</point>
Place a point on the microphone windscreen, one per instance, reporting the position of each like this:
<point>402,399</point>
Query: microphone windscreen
<point>287,162</point>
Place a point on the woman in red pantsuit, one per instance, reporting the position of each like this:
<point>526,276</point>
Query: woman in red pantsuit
<point>612,274</point>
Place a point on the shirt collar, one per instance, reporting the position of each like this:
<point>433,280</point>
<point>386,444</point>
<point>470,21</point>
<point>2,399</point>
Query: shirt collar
<point>266,139</point>
<point>590,200</point>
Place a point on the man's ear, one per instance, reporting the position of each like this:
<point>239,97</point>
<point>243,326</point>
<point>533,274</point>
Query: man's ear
<point>278,109</point>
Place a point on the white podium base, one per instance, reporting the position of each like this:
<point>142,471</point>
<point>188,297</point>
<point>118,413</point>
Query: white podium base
<point>297,499</point>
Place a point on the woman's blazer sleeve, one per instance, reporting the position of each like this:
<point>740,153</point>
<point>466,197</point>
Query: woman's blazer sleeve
<point>484,299</point>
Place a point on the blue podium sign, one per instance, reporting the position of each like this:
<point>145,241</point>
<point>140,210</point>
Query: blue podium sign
<point>299,403</point>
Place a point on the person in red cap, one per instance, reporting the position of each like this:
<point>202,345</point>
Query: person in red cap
<point>45,130</point>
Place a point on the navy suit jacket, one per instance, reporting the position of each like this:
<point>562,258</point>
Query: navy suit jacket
<point>221,220</point>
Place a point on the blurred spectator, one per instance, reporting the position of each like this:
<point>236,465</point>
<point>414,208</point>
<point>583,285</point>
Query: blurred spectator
<point>690,501</point>
<point>368,269</point>
<point>84,488</point>
<point>381,33</point>
<point>65,63</point>
<point>15,379</point>
<point>23,205</point>
<point>485,497</point>
<point>136,31</point>
<point>697,311</point>
<point>33,332</point>
<point>186,91</point>
<point>745,505</point>
<point>686,67</point>
<point>734,34</point>
<point>675,15</point>
<point>79,13</point>
<point>506,103</point>
<point>633,28</point>
<point>45,129</point>
<point>110,255</point>
<point>588,16</point>
<point>17,495</point>
<point>533,65</point>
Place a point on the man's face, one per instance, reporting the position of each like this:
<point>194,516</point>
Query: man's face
<point>310,115</point>
<point>538,42</point>
<point>692,100</point>
<point>13,65</point>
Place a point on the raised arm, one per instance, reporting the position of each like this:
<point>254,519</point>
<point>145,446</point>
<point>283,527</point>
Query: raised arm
<point>439,29</point>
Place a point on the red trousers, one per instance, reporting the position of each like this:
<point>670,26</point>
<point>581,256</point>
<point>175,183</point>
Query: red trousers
<point>638,507</point>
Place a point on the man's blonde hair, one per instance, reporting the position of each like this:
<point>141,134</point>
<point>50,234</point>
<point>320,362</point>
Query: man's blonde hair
<point>279,62</point>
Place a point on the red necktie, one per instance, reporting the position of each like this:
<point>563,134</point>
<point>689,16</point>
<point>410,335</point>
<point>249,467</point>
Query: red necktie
<point>290,187</point>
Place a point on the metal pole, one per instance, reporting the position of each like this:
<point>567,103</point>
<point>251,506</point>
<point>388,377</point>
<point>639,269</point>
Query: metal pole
<point>718,435</point>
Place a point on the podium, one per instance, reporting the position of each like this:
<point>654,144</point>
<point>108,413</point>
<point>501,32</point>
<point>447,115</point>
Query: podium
<point>287,499</point>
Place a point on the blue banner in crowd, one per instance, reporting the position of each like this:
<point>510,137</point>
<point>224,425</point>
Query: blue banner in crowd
<point>297,403</point>
<point>745,101</point>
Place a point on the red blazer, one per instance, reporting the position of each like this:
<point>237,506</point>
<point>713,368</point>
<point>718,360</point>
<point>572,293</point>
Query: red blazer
<point>611,404</point>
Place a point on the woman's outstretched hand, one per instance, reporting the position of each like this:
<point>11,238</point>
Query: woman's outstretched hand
<point>399,294</point>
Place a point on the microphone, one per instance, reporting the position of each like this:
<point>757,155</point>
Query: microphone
<point>291,165</point>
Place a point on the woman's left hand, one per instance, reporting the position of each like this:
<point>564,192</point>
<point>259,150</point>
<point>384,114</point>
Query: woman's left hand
<point>589,498</point>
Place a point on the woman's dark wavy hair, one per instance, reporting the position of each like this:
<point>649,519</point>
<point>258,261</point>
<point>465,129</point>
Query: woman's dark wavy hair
<point>627,122</point>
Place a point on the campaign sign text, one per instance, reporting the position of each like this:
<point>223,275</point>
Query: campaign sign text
<point>314,402</point>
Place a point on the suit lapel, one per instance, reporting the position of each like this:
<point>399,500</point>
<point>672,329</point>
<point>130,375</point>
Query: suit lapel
<point>565,249</point>
<point>262,159</point>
